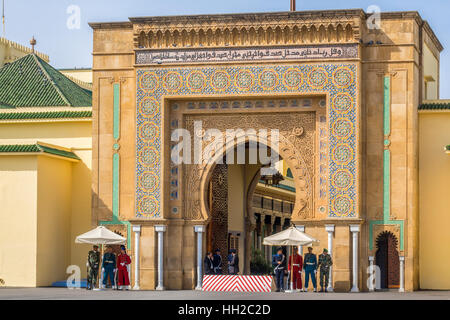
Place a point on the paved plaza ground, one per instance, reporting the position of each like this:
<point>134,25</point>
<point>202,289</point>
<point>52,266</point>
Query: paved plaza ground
<point>82,294</point>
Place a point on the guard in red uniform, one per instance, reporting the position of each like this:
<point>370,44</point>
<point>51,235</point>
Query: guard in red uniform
<point>297,261</point>
<point>123,260</point>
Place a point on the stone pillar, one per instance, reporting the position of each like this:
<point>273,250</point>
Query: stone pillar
<point>160,229</point>
<point>330,229</point>
<point>355,229</point>
<point>269,229</point>
<point>137,238</point>
<point>300,248</point>
<point>371,274</point>
<point>199,230</point>
<point>402,274</point>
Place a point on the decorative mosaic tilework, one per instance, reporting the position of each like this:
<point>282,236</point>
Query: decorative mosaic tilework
<point>338,80</point>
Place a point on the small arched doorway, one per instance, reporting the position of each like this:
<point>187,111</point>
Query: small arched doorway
<point>387,259</point>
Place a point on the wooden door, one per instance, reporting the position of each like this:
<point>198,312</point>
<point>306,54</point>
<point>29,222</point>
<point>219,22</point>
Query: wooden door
<point>387,259</point>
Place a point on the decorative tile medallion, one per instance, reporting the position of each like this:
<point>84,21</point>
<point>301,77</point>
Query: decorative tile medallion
<point>318,78</point>
<point>342,179</point>
<point>343,77</point>
<point>149,181</point>
<point>148,82</point>
<point>341,205</point>
<point>292,78</point>
<point>172,82</point>
<point>196,81</point>
<point>149,107</point>
<point>149,132</point>
<point>337,80</point>
<point>244,80</point>
<point>220,80</point>
<point>342,128</point>
<point>342,154</point>
<point>268,79</point>
<point>342,103</point>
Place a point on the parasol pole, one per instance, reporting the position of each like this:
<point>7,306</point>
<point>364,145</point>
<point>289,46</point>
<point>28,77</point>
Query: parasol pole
<point>292,268</point>
<point>100,268</point>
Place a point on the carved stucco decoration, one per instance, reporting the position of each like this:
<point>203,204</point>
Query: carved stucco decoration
<point>296,149</point>
<point>380,228</point>
<point>245,29</point>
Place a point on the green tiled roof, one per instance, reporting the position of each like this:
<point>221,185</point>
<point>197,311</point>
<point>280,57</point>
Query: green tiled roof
<point>280,186</point>
<point>45,115</point>
<point>32,82</point>
<point>435,105</point>
<point>37,148</point>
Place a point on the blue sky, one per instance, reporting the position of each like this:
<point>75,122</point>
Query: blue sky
<point>47,21</point>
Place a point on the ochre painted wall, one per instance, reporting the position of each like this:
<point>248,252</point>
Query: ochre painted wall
<point>81,218</point>
<point>18,195</point>
<point>53,219</point>
<point>64,200</point>
<point>434,180</point>
<point>75,134</point>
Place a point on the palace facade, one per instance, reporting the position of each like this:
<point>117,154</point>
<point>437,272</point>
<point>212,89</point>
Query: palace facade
<point>363,144</point>
<point>345,98</point>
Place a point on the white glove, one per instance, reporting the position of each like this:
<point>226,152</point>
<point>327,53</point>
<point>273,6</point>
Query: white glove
<point>87,264</point>
<point>103,269</point>
<point>122,264</point>
<point>315,271</point>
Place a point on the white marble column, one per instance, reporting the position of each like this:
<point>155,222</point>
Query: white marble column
<point>372,274</point>
<point>355,229</point>
<point>330,230</point>
<point>300,248</point>
<point>402,274</point>
<point>199,230</point>
<point>137,237</point>
<point>160,229</point>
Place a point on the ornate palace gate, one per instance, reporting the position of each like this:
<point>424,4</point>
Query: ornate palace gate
<point>308,93</point>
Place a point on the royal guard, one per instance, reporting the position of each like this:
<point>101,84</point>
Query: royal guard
<point>123,261</point>
<point>295,266</point>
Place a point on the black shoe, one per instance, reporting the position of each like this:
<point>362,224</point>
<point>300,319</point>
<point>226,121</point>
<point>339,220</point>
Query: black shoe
<point>326,290</point>
<point>278,290</point>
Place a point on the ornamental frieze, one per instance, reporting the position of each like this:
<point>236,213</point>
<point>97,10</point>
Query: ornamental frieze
<point>168,56</point>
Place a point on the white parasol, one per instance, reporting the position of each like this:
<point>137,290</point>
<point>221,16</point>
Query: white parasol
<point>289,237</point>
<point>100,236</point>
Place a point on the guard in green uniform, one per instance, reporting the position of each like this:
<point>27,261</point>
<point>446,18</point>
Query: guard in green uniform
<point>93,263</point>
<point>325,262</point>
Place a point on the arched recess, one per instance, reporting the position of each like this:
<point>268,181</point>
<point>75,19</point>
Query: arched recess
<point>294,160</point>
<point>387,259</point>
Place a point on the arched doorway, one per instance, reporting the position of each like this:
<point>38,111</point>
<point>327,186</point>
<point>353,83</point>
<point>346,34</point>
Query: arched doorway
<point>237,197</point>
<point>387,259</point>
